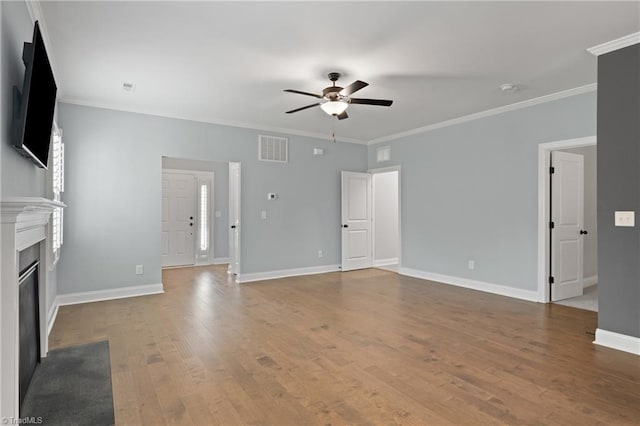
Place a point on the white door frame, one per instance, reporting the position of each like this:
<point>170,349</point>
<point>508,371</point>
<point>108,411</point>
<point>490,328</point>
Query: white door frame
<point>544,162</point>
<point>373,227</point>
<point>237,200</point>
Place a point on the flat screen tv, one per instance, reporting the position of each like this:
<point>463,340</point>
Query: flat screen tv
<point>35,105</point>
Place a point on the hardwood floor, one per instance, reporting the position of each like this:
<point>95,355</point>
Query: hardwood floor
<point>362,347</point>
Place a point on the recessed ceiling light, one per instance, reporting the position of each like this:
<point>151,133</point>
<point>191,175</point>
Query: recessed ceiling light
<point>508,87</point>
<point>128,87</point>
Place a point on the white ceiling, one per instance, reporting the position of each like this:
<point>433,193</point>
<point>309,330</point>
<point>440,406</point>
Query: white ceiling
<point>228,62</point>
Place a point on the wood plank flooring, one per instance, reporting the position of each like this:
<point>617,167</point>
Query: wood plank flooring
<point>362,347</point>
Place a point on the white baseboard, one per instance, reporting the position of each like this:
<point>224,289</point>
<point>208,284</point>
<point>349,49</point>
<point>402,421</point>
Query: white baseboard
<point>385,262</point>
<point>115,293</point>
<point>502,290</point>
<point>283,273</point>
<point>53,313</point>
<point>618,341</point>
<point>589,281</point>
<point>220,260</point>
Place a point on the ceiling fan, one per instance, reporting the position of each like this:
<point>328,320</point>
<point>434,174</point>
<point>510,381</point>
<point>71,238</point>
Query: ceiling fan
<point>336,99</point>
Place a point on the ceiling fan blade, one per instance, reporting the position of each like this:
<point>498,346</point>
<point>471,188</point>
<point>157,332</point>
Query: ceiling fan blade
<point>342,116</point>
<point>304,107</point>
<point>303,93</point>
<point>353,87</point>
<point>362,101</point>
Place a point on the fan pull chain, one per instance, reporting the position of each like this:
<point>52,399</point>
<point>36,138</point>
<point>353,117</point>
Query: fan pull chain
<point>333,135</point>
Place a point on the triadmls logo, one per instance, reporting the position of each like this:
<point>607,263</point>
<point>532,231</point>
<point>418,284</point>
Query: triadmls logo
<point>22,420</point>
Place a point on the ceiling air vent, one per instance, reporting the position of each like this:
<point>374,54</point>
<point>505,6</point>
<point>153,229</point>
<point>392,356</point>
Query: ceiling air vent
<point>273,148</point>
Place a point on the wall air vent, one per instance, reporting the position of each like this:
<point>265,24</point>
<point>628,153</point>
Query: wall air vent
<point>273,148</point>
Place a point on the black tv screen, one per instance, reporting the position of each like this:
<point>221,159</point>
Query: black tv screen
<point>36,103</point>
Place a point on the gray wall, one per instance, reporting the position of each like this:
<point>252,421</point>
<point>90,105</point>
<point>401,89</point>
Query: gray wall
<point>469,191</point>
<point>20,177</point>
<point>590,266</point>
<point>619,189</point>
<point>113,189</point>
<point>220,197</point>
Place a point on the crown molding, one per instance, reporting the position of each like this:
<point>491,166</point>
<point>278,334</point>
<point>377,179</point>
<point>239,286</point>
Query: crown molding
<point>488,113</point>
<point>243,125</point>
<point>616,44</point>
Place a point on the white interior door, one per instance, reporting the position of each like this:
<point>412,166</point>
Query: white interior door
<point>356,221</point>
<point>234,218</point>
<point>178,214</point>
<point>567,215</point>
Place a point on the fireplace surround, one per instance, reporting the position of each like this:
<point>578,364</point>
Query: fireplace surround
<point>25,223</point>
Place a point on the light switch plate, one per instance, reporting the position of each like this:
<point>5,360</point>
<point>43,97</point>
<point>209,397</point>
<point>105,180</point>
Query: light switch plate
<point>264,215</point>
<point>627,218</point>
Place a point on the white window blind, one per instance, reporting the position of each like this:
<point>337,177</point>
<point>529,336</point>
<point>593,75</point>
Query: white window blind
<point>57,171</point>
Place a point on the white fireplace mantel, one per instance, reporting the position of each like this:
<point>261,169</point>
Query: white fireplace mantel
<point>25,221</point>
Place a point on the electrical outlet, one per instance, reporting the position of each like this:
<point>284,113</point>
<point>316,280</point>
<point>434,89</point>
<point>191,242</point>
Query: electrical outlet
<point>139,270</point>
<point>627,219</point>
<point>320,253</point>
<point>472,264</point>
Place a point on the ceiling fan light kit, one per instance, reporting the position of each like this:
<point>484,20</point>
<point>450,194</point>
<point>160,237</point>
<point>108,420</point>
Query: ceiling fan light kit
<point>334,108</point>
<point>337,99</point>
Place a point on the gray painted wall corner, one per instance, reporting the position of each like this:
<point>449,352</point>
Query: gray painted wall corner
<point>113,188</point>
<point>469,191</point>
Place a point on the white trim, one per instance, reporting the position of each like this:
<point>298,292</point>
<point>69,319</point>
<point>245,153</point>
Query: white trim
<point>220,260</point>
<point>495,111</point>
<point>502,290</point>
<point>114,293</point>
<point>618,341</point>
<point>53,314</point>
<point>544,162</point>
<point>284,273</point>
<point>616,44</point>
<point>488,113</point>
<point>220,122</point>
<point>590,281</point>
<point>385,262</point>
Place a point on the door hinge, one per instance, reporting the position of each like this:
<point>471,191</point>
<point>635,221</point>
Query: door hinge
<point>551,280</point>
<point>552,225</point>
<point>552,170</point>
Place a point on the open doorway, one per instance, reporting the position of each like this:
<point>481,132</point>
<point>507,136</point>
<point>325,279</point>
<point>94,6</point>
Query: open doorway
<point>567,225</point>
<point>195,212</point>
<point>386,218</point>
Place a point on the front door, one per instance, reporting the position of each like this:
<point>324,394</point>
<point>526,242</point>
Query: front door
<point>356,221</point>
<point>567,215</point>
<point>178,214</point>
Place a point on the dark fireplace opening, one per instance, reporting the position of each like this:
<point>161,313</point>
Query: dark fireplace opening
<point>29,317</point>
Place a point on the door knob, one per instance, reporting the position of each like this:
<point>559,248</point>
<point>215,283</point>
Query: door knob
<point>345,226</point>
<point>233,227</point>
<point>583,232</point>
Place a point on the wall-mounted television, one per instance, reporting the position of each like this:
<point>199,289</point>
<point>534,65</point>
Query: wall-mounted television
<point>34,107</point>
